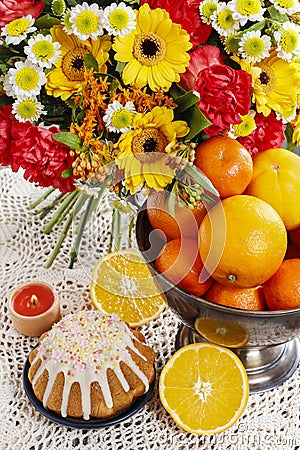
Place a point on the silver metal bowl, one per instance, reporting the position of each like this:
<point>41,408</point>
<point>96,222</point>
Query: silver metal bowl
<point>270,351</point>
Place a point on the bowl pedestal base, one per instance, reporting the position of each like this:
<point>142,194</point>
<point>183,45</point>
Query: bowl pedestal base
<point>266,367</point>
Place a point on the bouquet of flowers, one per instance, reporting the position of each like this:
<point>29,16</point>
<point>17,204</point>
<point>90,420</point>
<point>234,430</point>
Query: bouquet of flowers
<point>101,95</point>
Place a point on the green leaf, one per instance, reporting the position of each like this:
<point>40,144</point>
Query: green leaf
<point>91,62</point>
<point>4,100</point>
<point>67,173</point>
<point>201,179</point>
<point>185,101</point>
<point>288,143</point>
<point>196,121</point>
<point>276,15</point>
<point>46,22</point>
<point>69,139</point>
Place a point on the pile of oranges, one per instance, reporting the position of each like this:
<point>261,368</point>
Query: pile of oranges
<point>243,252</point>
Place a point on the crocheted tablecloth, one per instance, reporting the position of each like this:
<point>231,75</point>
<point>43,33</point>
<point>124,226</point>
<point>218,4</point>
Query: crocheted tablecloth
<point>271,420</point>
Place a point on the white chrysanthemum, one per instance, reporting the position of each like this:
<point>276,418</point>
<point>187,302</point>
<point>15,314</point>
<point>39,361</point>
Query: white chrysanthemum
<point>287,6</point>
<point>17,30</point>
<point>86,21</point>
<point>27,109</point>
<point>206,9</point>
<point>254,46</point>
<point>118,118</point>
<point>41,50</point>
<point>119,20</point>
<point>245,10</point>
<point>25,80</point>
<point>67,26</point>
<point>288,41</point>
<point>222,20</point>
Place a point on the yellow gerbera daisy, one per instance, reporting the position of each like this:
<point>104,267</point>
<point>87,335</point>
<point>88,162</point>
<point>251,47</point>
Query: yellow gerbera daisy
<point>143,151</point>
<point>68,75</point>
<point>276,84</point>
<point>155,52</point>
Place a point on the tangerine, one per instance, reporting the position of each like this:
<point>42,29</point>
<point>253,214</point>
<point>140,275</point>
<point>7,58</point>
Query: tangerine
<point>180,262</point>
<point>276,174</point>
<point>242,241</point>
<point>227,164</point>
<point>185,222</point>
<point>242,298</point>
<point>282,290</point>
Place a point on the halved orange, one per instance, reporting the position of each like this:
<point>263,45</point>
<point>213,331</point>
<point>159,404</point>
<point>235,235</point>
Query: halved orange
<point>122,284</point>
<point>222,332</point>
<point>204,387</point>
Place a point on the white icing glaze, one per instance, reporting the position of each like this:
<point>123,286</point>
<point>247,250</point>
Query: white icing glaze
<point>83,347</point>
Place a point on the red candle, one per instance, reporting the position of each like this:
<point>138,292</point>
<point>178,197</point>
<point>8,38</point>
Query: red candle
<point>34,308</point>
<point>32,300</point>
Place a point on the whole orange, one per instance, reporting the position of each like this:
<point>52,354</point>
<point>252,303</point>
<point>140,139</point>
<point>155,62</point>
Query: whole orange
<point>179,260</point>
<point>227,164</point>
<point>282,290</point>
<point>185,222</point>
<point>294,236</point>
<point>242,241</point>
<point>276,179</point>
<point>242,298</point>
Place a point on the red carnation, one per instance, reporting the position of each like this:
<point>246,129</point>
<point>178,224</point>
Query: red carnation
<point>14,9</point>
<point>42,158</point>
<point>6,120</point>
<point>186,14</point>
<point>224,92</point>
<point>269,133</point>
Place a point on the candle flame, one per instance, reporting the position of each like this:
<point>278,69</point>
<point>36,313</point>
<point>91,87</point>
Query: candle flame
<point>34,300</point>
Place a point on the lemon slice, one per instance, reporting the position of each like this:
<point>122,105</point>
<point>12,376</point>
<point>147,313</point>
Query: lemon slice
<point>222,332</point>
<point>122,284</point>
<point>204,387</point>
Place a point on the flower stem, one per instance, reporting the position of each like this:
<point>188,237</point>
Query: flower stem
<point>83,222</point>
<point>60,211</point>
<point>41,199</point>
<point>115,243</point>
<point>76,208</point>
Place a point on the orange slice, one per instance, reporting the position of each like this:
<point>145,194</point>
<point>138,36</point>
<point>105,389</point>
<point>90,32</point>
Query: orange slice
<point>122,284</point>
<point>204,387</point>
<point>222,332</point>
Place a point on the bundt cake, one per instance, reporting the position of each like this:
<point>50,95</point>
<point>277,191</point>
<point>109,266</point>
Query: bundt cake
<point>90,365</point>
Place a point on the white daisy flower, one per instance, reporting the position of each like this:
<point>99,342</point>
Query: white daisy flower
<point>17,30</point>
<point>254,46</point>
<point>288,41</point>
<point>287,6</point>
<point>222,20</point>
<point>118,118</point>
<point>42,51</point>
<point>25,80</point>
<point>245,10</point>
<point>206,9</point>
<point>86,21</point>
<point>65,21</point>
<point>27,109</point>
<point>119,20</point>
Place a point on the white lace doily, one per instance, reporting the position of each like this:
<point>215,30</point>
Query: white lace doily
<point>271,420</point>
